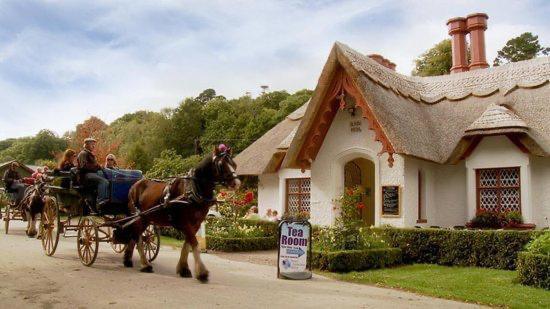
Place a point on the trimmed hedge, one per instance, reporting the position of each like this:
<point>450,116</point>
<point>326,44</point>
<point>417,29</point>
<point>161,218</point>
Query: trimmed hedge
<point>240,244</point>
<point>269,228</point>
<point>356,260</point>
<point>484,248</point>
<point>534,269</point>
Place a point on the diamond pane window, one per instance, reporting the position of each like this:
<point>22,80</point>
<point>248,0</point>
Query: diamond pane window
<point>297,195</point>
<point>498,189</point>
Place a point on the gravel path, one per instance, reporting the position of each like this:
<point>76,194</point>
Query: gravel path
<point>30,279</point>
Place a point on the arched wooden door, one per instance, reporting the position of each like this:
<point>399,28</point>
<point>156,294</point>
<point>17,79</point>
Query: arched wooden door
<point>360,172</point>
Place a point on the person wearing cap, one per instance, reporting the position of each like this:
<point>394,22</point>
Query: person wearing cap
<point>13,182</point>
<point>88,167</point>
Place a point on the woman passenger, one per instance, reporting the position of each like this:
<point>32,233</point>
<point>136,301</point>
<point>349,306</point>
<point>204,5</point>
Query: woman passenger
<point>110,162</point>
<point>68,161</point>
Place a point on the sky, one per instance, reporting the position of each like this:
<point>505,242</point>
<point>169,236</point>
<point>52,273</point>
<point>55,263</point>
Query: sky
<point>64,61</point>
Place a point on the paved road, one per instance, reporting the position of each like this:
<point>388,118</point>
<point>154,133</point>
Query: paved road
<point>28,278</point>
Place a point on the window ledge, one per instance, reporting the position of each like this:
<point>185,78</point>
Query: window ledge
<point>421,221</point>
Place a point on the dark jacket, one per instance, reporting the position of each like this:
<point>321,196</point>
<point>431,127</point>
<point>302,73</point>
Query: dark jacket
<point>87,162</point>
<point>10,176</point>
<point>66,166</point>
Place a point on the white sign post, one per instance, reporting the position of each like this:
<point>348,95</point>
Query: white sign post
<point>294,258</point>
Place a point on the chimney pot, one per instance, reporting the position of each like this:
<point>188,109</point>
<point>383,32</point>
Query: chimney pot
<point>477,24</point>
<point>383,61</point>
<point>457,30</point>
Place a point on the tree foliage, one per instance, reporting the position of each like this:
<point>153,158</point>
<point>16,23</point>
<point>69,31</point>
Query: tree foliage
<point>523,47</point>
<point>163,143</point>
<point>437,60</point>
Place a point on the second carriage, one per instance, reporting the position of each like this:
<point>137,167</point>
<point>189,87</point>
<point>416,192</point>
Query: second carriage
<point>66,213</point>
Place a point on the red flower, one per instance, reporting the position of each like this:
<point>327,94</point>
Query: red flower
<point>223,194</point>
<point>248,197</point>
<point>361,205</point>
<point>350,191</point>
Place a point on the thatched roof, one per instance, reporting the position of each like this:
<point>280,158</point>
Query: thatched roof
<point>266,154</point>
<point>428,117</point>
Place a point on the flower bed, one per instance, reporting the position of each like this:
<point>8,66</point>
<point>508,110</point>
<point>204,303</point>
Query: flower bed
<point>349,245</point>
<point>356,260</point>
<point>486,248</point>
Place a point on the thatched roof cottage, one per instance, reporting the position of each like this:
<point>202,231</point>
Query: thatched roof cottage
<point>427,150</point>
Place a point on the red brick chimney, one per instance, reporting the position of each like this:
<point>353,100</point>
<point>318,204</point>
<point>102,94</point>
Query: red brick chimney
<point>477,24</point>
<point>383,61</point>
<point>457,30</point>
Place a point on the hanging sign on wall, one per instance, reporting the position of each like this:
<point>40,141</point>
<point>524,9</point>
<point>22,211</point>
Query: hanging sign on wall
<point>390,200</point>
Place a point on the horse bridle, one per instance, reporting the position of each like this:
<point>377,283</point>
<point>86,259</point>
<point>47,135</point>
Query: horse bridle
<point>218,163</point>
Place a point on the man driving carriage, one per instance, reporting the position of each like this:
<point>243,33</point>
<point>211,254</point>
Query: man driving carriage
<point>13,182</point>
<point>88,168</point>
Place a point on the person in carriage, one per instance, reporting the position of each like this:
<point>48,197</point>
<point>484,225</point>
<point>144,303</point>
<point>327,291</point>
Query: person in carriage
<point>68,161</point>
<point>89,177</point>
<point>110,162</point>
<point>13,182</point>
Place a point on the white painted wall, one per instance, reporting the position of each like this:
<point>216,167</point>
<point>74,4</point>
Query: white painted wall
<point>444,193</point>
<point>540,191</point>
<point>497,152</point>
<point>327,171</point>
<point>272,189</point>
<point>268,193</point>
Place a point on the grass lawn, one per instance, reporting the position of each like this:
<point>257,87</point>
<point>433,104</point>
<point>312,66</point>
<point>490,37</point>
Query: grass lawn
<point>470,284</point>
<point>169,241</point>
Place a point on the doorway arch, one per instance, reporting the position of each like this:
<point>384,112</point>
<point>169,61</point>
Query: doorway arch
<point>361,163</point>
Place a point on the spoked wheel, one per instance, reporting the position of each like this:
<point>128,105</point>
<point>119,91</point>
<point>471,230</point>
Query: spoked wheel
<point>151,242</point>
<point>87,241</point>
<point>49,226</point>
<point>117,248</point>
<point>7,218</point>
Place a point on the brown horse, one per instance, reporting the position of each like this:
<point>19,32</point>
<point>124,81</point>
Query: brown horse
<point>33,203</point>
<point>198,190</point>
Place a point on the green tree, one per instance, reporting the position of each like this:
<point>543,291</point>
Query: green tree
<point>171,164</point>
<point>523,47</point>
<point>438,60</point>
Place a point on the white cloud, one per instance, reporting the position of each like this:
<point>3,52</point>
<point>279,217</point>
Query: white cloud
<point>78,59</point>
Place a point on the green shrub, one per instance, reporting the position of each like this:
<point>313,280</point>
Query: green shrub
<point>269,228</point>
<point>487,220</point>
<point>345,238</point>
<point>534,269</point>
<point>492,249</point>
<point>234,229</point>
<point>540,245</point>
<point>356,260</point>
<point>240,244</point>
<point>514,217</point>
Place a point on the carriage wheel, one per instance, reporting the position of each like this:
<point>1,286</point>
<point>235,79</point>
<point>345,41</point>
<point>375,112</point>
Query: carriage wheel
<point>87,241</point>
<point>151,242</point>
<point>7,217</point>
<point>49,226</point>
<point>117,248</point>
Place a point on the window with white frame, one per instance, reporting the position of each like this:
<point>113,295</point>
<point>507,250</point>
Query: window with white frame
<point>498,189</point>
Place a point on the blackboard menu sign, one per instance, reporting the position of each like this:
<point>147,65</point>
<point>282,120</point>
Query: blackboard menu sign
<point>390,200</point>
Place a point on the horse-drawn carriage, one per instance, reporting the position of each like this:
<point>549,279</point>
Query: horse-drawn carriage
<point>11,211</point>
<point>67,212</point>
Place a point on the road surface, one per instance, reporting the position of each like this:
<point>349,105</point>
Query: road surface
<point>29,279</point>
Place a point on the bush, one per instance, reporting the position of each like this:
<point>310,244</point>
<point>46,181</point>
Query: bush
<point>540,245</point>
<point>241,244</point>
<point>492,249</point>
<point>345,238</point>
<point>487,220</point>
<point>356,260</point>
<point>534,269</point>
<point>234,229</point>
<point>514,217</point>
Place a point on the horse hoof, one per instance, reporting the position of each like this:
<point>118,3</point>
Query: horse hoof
<point>203,278</point>
<point>185,273</point>
<point>147,269</point>
<point>128,264</point>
